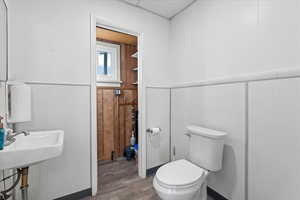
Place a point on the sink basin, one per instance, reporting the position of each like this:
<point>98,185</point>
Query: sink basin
<point>28,150</point>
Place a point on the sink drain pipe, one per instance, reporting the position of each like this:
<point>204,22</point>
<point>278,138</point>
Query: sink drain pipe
<point>24,183</point>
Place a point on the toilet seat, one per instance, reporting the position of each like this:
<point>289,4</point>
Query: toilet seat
<point>180,174</point>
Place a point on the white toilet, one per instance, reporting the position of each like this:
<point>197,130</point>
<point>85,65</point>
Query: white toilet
<point>186,179</point>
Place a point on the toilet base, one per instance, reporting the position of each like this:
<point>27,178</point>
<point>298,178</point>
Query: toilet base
<point>198,194</point>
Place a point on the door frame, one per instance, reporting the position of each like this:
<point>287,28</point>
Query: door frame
<point>142,161</point>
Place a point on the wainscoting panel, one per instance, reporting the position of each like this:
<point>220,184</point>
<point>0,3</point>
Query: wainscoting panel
<point>274,139</point>
<point>220,107</point>
<point>66,108</point>
<point>158,115</point>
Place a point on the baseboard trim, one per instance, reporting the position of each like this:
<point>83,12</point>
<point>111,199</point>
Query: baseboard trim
<point>152,171</point>
<point>77,195</point>
<point>214,194</point>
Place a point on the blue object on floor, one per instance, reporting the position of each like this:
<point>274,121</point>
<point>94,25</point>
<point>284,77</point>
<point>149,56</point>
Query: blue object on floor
<point>129,153</point>
<point>136,147</point>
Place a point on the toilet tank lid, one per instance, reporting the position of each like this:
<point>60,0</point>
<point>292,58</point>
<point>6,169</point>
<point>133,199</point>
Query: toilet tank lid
<point>206,132</point>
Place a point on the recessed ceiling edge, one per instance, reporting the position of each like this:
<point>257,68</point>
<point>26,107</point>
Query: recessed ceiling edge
<point>152,12</point>
<point>145,9</point>
<point>183,9</point>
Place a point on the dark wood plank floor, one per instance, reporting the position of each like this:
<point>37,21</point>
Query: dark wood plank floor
<point>119,180</point>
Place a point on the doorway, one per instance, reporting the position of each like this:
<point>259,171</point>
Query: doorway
<point>109,86</point>
<point>117,96</point>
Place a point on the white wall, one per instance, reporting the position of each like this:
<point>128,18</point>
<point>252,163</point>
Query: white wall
<point>158,116</point>
<point>2,62</point>
<point>3,41</point>
<point>227,38</point>
<point>50,43</point>
<point>216,38</point>
<point>274,113</point>
<point>61,108</point>
<point>219,107</point>
<point>52,38</point>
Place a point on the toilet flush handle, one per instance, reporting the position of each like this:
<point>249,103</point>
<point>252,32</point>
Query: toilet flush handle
<point>188,134</point>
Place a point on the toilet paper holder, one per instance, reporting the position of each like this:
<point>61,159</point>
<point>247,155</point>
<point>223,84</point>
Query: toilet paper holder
<point>151,130</point>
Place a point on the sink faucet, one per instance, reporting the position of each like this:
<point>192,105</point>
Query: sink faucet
<point>10,137</point>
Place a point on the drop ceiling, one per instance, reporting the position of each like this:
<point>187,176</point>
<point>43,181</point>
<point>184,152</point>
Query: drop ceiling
<point>164,8</point>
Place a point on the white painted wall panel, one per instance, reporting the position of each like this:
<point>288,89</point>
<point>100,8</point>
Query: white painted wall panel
<point>217,38</point>
<point>66,108</point>
<point>274,139</point>
<point>277,34</point>
<point>225,38</point>
<point>219,107</point>
<point>3,41</point>
<point>158,116</point>
<point>54,44</point>
<point>214,38</point>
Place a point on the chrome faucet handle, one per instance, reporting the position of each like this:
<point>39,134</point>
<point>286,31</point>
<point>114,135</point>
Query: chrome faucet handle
<point>11,134</point>
<point>26,133</point>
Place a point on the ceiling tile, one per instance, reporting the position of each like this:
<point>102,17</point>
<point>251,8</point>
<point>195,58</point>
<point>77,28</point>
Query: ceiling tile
<point>166,8</point>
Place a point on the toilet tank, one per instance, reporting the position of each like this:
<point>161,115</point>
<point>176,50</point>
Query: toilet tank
<point>206,147</point>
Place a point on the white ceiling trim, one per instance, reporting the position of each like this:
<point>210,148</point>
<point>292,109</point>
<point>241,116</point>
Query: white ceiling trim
<point>136,3</point>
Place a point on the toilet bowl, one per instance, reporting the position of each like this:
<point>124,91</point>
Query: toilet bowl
<point>180,180</point>
<point>185,179</point>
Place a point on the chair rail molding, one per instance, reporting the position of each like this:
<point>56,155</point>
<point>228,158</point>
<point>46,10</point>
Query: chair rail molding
<point>252,77</point>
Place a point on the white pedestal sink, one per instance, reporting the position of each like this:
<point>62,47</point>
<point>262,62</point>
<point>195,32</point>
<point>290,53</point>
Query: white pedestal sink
<point>34,148</point>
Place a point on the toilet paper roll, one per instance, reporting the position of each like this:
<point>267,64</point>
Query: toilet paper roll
<point>154,136</point>
<point>155,131</point>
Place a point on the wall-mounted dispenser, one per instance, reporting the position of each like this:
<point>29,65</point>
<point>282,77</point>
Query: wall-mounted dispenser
<point>19,102</point>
